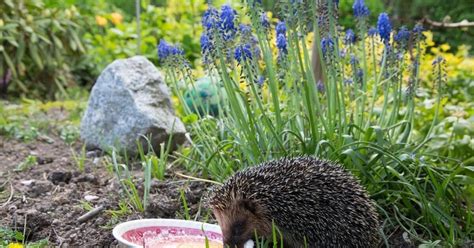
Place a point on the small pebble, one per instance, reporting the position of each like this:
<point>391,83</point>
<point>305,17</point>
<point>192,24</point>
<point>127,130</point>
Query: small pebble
<point>45,160</point>
<point>96,161</point>
<point>28,182</point>
<point>90,197</point>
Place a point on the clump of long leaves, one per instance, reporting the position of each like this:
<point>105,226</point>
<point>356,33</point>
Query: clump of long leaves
<point>361,114</point>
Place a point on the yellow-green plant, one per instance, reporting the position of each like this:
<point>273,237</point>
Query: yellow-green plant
<point>453,135</point>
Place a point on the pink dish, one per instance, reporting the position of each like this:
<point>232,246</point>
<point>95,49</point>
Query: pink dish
<point>171,233</point>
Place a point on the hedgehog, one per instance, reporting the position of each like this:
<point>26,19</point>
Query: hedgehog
<point>312,202</point>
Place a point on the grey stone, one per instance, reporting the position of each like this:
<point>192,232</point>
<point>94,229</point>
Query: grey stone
<point>130,99</point>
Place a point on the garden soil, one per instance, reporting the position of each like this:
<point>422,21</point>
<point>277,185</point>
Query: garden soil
<point>46,200</point>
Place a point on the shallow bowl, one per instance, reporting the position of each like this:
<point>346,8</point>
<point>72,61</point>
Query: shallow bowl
<point>132,233</point>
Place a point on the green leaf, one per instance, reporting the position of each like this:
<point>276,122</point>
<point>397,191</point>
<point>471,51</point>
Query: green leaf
<point>20,52</point>
<point>189,119</point>
<point>57,42</point>
<point>73,45</point>
<point>10,26</point>
<point>44,39</point>
<point>10,63</point>
<point>9,3</point>
<point>20,84</point>
<point>467,180</point>
<point>35,56</point>
<point>77,41</point>
<point>19,236</point>
<point>28,29</point>
<point>12,41</point>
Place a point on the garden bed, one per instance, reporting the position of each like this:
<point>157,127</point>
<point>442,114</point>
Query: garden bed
<point>48,196</point>
<point>51,194</point>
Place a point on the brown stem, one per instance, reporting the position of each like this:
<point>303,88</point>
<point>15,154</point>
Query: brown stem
<point>462,24</point>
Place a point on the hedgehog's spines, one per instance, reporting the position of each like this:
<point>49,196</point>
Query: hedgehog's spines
<point>305,196</point>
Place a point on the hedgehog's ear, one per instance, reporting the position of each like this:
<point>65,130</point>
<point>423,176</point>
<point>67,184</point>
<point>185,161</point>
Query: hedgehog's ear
<point>249,205</point>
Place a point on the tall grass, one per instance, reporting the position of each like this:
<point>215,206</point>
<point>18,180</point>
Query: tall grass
<point>152,166</point>
<point>361,115</point>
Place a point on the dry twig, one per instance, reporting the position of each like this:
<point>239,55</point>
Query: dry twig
<point>11,196</point>
<point>197,178</point>
<point>91,214</point>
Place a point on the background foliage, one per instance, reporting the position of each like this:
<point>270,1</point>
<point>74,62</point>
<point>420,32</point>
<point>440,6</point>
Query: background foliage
<point>86,35</point>
<point>41,49</point>
<point>409,12</point>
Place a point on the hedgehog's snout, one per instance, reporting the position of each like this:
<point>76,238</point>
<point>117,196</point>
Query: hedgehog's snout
<point>237,234</point>
<point>234,242</point>
<point>237,224</point>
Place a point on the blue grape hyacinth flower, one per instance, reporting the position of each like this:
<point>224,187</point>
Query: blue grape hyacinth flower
<point>174,50</point>
<point>209,18</point>
<point>261,80</point>
<point>280,28</point>
<point>402,36</point>
<point>207,48</point>
<point>264,20</point>
<point>206,44</point>
<point>360,9</point>
<point>353,60</point>
<point>164,50</point>
<point>418,29</point>
<point>384,27</point>
<point>372,32</point>
<point>256,49</point>
<point>327,45</point>
<point>245,30</point>
<point>320,86</point>
<point>282,44</point>
<point>243,52</point>
<point>350,37</point>
<point>226,22</point>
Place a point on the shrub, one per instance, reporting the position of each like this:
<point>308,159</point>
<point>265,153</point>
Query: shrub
<point>39,48</point>
<point>363,114</point>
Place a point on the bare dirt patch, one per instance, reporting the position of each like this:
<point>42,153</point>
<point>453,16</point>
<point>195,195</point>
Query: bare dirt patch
<point>46,200</point>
